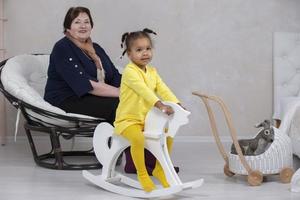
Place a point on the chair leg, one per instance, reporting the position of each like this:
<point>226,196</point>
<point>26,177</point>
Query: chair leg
<point>57,148</point>
<point>55,158</point>
<point>32,145</point>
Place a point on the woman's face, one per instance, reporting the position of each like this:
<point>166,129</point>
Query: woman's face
<point>140,52</point>
<point>81,27</point>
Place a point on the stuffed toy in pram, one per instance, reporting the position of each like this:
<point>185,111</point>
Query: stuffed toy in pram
<point>259,144</point>
<point>270,152</point>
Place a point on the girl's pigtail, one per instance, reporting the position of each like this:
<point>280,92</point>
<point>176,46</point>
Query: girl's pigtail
<point>124,36</point>
<point>146,30</point>
<point>123,53</point>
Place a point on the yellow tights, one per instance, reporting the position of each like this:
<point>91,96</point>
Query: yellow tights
<point>136,138</point>
<point>158,171</point>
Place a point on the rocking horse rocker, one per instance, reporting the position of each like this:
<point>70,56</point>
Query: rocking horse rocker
<point>155,142</point>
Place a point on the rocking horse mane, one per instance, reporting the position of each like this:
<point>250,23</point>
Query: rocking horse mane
<point>155,122</point>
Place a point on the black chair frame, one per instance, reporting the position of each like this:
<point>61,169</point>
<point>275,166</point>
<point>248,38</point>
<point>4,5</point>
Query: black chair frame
<point>80,127</point>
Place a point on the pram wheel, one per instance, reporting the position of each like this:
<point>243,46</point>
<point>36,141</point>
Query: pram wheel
<point>255,178</point>
<point>286,175</point>
<point>227,171</point>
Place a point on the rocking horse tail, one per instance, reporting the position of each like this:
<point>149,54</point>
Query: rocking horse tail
<point>108,147</point>
<point>101,141</point>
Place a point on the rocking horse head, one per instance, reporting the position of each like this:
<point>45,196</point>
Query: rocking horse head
<point>179,118</point>
<point>156,121</point>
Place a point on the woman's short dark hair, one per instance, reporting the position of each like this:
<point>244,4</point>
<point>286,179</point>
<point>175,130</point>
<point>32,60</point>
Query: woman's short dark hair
<point>72,13</point>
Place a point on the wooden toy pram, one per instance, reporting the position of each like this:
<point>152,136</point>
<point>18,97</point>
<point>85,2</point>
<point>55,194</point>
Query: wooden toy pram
<point>277,159</point>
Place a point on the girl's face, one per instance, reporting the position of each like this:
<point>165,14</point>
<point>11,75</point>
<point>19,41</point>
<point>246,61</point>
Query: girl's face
<point>140,52</point>
<point>81,27</point>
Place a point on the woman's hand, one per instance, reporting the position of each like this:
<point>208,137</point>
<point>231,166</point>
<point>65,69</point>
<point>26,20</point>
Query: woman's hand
<point>104,90</point>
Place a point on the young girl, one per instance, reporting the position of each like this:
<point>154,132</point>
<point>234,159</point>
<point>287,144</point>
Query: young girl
<point>140,86</point>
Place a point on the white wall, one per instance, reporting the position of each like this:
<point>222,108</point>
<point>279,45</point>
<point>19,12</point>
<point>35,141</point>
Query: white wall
<point>2,99</point>
<point>220,47</point>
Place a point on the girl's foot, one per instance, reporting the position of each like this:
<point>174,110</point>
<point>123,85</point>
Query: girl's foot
<point>146,182</point>
<point>160,175</point>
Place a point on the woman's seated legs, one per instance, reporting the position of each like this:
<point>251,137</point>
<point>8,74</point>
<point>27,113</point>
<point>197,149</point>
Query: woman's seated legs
<point>95,106</point>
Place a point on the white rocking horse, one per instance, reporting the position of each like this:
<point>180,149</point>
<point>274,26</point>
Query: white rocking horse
<point>155,142</point>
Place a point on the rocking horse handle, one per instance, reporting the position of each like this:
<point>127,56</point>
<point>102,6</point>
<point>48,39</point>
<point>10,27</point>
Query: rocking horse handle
<point>213,124</point>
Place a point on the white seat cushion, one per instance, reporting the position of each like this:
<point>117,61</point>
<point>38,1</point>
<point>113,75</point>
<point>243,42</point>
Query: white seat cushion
<point>25,77</point>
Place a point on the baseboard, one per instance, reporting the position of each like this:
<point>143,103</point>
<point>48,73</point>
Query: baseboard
<point>200,139</point>
<point>179,139</point>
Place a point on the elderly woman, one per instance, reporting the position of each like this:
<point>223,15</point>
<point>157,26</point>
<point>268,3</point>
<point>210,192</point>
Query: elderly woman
<point>81,77</point>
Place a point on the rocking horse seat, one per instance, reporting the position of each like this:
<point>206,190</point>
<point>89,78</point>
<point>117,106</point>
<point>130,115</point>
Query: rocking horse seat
<point>155,142</point>
<point>23,80</point>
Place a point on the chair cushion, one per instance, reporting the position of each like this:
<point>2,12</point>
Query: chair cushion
<point>25,76</point>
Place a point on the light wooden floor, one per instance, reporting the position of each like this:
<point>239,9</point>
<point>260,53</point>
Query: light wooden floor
<point>22,179</point>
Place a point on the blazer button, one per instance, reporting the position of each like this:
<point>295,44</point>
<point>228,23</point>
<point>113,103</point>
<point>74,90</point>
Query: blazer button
<point>76,66</point>
<point>70,59</point>
<point>80,72</point>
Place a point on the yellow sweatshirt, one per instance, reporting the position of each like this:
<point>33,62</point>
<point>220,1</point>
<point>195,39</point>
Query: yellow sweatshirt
<point>138,94</point>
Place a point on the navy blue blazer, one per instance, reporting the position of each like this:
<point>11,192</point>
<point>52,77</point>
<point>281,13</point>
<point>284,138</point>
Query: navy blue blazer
<point>70,72</point>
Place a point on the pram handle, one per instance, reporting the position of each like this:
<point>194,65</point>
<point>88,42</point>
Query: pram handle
<point>205,98</point>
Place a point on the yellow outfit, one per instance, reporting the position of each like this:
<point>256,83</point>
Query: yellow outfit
<point>137,96</point>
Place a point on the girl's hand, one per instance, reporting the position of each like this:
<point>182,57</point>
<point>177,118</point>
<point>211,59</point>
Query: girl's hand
<point>164,108</point>
<point>167,109</point>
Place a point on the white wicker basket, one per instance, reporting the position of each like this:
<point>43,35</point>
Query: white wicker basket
<point>277,157</point>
